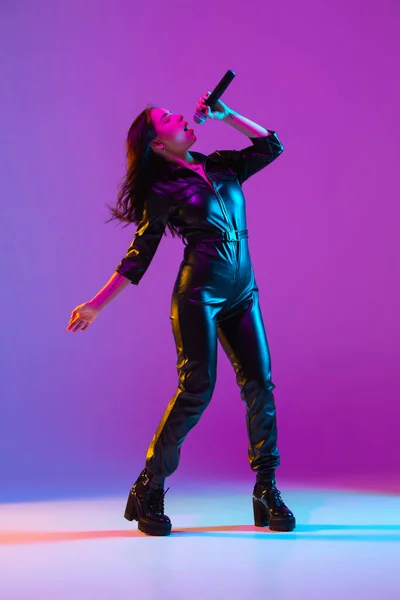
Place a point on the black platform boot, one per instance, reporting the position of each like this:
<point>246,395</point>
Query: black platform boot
<point>269,508</point>
<point>146,505</point>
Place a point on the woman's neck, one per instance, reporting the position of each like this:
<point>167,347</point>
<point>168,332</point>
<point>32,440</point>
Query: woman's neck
<point>186,161</point>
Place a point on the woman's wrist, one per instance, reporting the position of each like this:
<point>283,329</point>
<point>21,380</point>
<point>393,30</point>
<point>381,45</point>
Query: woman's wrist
<point>229,113</point>
<point>113,287</point>
<point>244,125</point>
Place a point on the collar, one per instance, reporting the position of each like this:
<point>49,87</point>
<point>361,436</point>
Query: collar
<point>169,167</point>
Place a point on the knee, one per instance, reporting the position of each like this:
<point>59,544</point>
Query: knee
<point>199,381</point>
<point>252,387</point>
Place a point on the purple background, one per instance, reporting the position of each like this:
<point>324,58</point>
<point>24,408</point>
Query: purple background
<point>79,410</point>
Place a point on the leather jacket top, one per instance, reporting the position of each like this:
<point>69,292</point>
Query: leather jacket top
<point>185,199</point>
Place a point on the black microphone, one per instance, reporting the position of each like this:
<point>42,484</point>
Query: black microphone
<point>199,116</point>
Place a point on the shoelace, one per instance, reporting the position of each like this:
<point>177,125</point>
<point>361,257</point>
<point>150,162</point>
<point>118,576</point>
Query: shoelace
<point>271,490</point>
<point>277,497</point>
<point>156,501</point>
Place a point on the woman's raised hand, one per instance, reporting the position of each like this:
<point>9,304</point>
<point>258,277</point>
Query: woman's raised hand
<point>82,316</point>
<point>220,109</point>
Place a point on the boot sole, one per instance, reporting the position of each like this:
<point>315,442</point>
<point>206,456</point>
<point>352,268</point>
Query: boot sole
<point>286,525</point>
<point>262,518</point>
<point>153,528</point>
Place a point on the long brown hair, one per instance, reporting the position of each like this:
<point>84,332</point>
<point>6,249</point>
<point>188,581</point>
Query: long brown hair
<point>141,163</point>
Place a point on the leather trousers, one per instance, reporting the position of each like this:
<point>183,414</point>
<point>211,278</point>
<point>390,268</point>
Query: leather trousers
<point>215,297</point>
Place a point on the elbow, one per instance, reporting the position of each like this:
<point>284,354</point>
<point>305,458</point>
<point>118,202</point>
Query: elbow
<point>279,148</point>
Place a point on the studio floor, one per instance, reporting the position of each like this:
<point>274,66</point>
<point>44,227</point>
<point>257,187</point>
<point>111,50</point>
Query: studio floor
<point>345,545</point>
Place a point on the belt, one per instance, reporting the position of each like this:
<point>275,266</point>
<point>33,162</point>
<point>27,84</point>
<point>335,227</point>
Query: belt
<point>224,236</point>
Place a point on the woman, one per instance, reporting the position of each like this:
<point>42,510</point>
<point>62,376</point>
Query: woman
<point>215,296</point>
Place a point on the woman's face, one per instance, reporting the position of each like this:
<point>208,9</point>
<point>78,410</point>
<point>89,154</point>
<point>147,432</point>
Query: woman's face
<point>172,132</point>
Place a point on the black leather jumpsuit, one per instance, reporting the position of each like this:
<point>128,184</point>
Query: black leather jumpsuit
<point>215,296</point>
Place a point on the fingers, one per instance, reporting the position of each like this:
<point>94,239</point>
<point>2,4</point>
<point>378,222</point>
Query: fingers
<point>201,106</point>
<point>203,98</point>
<point>72,318</point>
<point>82,325</point>
<point>77,323</point>
<point>77,326</point>
<point>71,324</point>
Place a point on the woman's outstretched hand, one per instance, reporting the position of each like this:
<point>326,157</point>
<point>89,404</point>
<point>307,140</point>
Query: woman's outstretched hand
<point>220,111</point>
<point>82,316</point>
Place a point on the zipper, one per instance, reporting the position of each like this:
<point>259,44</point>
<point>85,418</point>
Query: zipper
<point>223,208</point>
<point>222,205</point>
<point>220,200</point>
<point>236,244</point>
<point>224,212</point>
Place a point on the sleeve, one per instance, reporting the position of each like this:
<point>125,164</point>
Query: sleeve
<point>250,160</point>
<point>143,247</point>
